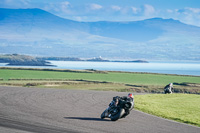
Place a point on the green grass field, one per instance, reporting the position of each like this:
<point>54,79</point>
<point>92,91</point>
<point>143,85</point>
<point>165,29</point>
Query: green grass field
<point>142,82</point>
<point>119,77</point>
<point>179,107</point>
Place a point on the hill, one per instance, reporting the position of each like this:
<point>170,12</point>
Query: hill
<point>22,60</point>
<point>40,33</point>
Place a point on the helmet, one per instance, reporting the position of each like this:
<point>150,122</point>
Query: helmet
<point>130,95</point>
<point>170,84</point>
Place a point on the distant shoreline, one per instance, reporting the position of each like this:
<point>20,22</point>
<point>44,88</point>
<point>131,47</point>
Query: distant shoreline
<point>26,60</point>
<point>46,63</point>
<point>95,59</point>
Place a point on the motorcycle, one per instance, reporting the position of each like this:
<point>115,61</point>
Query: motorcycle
<point>116,112</point>
<point>167,89</point>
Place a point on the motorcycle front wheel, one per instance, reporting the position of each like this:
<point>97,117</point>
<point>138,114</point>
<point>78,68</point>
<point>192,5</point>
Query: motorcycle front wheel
<point>103,114</point>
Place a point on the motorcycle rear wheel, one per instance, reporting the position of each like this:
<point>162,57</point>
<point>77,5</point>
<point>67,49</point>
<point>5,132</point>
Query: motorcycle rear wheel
<point>118,115</point>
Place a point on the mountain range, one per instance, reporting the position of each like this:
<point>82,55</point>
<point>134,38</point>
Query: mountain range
<point>40,33</point>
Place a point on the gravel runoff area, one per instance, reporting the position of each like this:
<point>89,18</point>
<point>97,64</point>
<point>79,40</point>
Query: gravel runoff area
<point>24,110</point>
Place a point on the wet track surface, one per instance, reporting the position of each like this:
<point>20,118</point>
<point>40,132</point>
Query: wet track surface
<point>37,110</point>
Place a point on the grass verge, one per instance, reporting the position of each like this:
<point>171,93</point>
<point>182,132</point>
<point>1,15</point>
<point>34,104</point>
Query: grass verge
<point>183,108</point>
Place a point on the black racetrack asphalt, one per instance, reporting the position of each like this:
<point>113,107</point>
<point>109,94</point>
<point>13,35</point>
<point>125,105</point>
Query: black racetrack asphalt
<point>37,110</point>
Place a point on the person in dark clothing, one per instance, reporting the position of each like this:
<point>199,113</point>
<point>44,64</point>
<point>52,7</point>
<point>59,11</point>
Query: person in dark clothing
<point>117,101</point>
<point>168,88</point>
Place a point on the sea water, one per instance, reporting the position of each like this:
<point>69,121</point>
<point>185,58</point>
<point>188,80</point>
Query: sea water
<point>180,68</point>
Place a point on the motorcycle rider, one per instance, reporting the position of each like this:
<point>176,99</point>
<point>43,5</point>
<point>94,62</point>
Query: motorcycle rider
<point>168,88</point>
<point>117,101</point>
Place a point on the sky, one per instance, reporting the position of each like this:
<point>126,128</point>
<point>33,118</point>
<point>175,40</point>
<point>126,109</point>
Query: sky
<point>186,11</point>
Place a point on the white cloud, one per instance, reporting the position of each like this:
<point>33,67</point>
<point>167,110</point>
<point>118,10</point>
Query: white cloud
<point>65,7</point>
<point>169,11</point>
<point>192,16</point>
<point>65,4</point>
<point>187,15</point>
<point>135,10</point>
<point>148,10</point>
<point>59,7</point>
<point>50,6</point>
<point>116,8</point>
<point>15,3</point>
<point>188,10</point>
<point>95,7</point>
<point>193,20</point>
<point>25,2</point>
<point>194,10</point>
<point>78,18</point>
